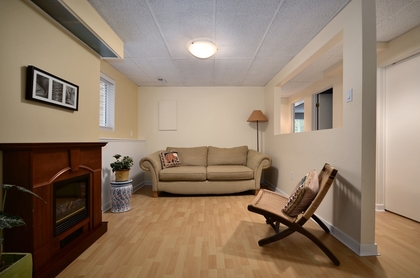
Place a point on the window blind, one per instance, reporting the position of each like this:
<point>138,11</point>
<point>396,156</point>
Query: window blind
<point>106,102</point>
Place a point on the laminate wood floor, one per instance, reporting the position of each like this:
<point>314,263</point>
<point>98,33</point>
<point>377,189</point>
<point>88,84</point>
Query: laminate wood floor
<point>216,236</point>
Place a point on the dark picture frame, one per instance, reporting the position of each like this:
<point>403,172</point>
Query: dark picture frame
<point>45,87</point>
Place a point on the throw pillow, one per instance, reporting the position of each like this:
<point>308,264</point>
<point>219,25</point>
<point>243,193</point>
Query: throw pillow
<point>169,159</point>
<point>191,156</point>
<point>303,195</point>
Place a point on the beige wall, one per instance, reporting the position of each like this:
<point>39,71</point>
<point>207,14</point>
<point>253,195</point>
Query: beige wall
<point>206,116</point>
<point>350,206</point>
<point>29,37</point>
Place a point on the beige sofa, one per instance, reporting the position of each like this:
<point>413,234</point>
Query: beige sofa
<point>207,170</point>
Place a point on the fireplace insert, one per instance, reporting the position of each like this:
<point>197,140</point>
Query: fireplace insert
<point>71,202</point>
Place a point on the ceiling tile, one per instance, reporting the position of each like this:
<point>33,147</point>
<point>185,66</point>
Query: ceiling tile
<point>296,24</point>
<point>263,70</point>
<point>241,25</point>
<point>393,26</point>
<point>230,72</point>
<point>180,22</point>
<point>162,68</point>
<point>196,72</point>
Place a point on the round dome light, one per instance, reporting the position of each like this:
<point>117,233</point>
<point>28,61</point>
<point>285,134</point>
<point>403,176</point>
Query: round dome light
<point>202,49</point>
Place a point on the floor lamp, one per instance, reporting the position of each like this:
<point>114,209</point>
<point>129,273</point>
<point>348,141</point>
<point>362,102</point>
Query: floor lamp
<point>257,116</point>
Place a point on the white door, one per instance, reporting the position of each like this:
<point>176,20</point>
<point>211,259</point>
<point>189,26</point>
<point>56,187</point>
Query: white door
<point>402,138</point>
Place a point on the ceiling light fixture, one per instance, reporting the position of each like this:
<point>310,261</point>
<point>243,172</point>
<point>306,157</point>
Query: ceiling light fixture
<point>202,49</point>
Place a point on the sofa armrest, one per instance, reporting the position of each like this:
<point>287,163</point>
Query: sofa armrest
<point>152,164</point>
<point>257,162</point>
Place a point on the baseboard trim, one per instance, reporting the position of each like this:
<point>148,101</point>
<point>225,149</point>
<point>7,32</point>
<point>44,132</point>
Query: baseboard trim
<point>369,250</point>
<point>380,207</point>
<point>275,189</point>
<point>138,186</point>
<point>360,249</point>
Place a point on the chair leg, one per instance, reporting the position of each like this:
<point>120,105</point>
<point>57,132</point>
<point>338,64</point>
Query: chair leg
<point>275,237</point>
<point>319,243</point>
<point>320,223</point>
<point>274,224</point>
<point>297,228</point>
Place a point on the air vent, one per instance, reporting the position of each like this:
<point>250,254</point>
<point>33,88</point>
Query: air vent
<point>60,14</point>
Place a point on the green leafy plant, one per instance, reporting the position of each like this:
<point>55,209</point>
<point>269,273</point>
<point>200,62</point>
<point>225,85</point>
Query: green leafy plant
<point>124,163</point>
<point>7,220</point>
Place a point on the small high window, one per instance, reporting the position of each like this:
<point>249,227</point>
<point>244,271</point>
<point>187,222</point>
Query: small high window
<point>106,102</point>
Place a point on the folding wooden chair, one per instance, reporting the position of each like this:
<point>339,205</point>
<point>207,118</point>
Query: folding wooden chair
<point>270,204</point>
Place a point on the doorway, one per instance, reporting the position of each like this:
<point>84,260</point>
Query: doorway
<point>323,110</point>
<point>298,112</point>
<point>401,133</point>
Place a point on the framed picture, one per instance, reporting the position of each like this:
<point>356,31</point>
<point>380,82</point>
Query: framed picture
<point>45,87</point>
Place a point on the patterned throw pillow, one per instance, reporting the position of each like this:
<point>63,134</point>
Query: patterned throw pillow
<point>169,159</point>
<point>303,195</point>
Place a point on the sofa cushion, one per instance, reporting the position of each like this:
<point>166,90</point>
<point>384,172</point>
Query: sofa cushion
<point>184,173</point>
<point>227,156</point>
<point>229,173</point>
<point>169,159</point>
<point>195,156</point>
<point>303,195</point>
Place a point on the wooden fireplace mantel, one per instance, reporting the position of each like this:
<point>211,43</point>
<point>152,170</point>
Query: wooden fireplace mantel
<point>37,166</point>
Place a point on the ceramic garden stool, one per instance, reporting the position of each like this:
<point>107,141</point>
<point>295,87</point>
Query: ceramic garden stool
<point>120,195</point>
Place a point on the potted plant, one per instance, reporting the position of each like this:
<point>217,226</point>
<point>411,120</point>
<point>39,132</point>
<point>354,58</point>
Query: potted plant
<point>121,167</point>
<point>13,264</point>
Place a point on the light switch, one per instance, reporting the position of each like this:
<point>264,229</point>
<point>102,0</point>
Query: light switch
<point>349,95</point>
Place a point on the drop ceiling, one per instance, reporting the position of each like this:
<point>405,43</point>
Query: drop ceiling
<point>255,39</point>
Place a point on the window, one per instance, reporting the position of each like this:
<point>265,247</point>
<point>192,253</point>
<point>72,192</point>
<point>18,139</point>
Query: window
<point>298,109</point>
<point>106,102</point>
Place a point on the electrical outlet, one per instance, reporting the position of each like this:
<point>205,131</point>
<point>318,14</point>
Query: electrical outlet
<point>292,175</point>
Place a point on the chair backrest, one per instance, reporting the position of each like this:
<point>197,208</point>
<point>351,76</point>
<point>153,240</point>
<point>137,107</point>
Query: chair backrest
<point>326,178</point>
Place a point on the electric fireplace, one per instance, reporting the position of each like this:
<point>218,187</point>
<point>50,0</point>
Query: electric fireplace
<point>71,202</point>
<point>68,177</point>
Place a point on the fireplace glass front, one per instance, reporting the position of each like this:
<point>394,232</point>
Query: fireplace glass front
<point>71,202</point>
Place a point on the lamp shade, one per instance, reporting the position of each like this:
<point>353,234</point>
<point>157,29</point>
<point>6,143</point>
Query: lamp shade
<point>257,116</point>
<point>202,49</point>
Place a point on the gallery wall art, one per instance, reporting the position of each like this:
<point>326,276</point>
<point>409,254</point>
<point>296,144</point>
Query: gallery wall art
<point>45,87</point>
